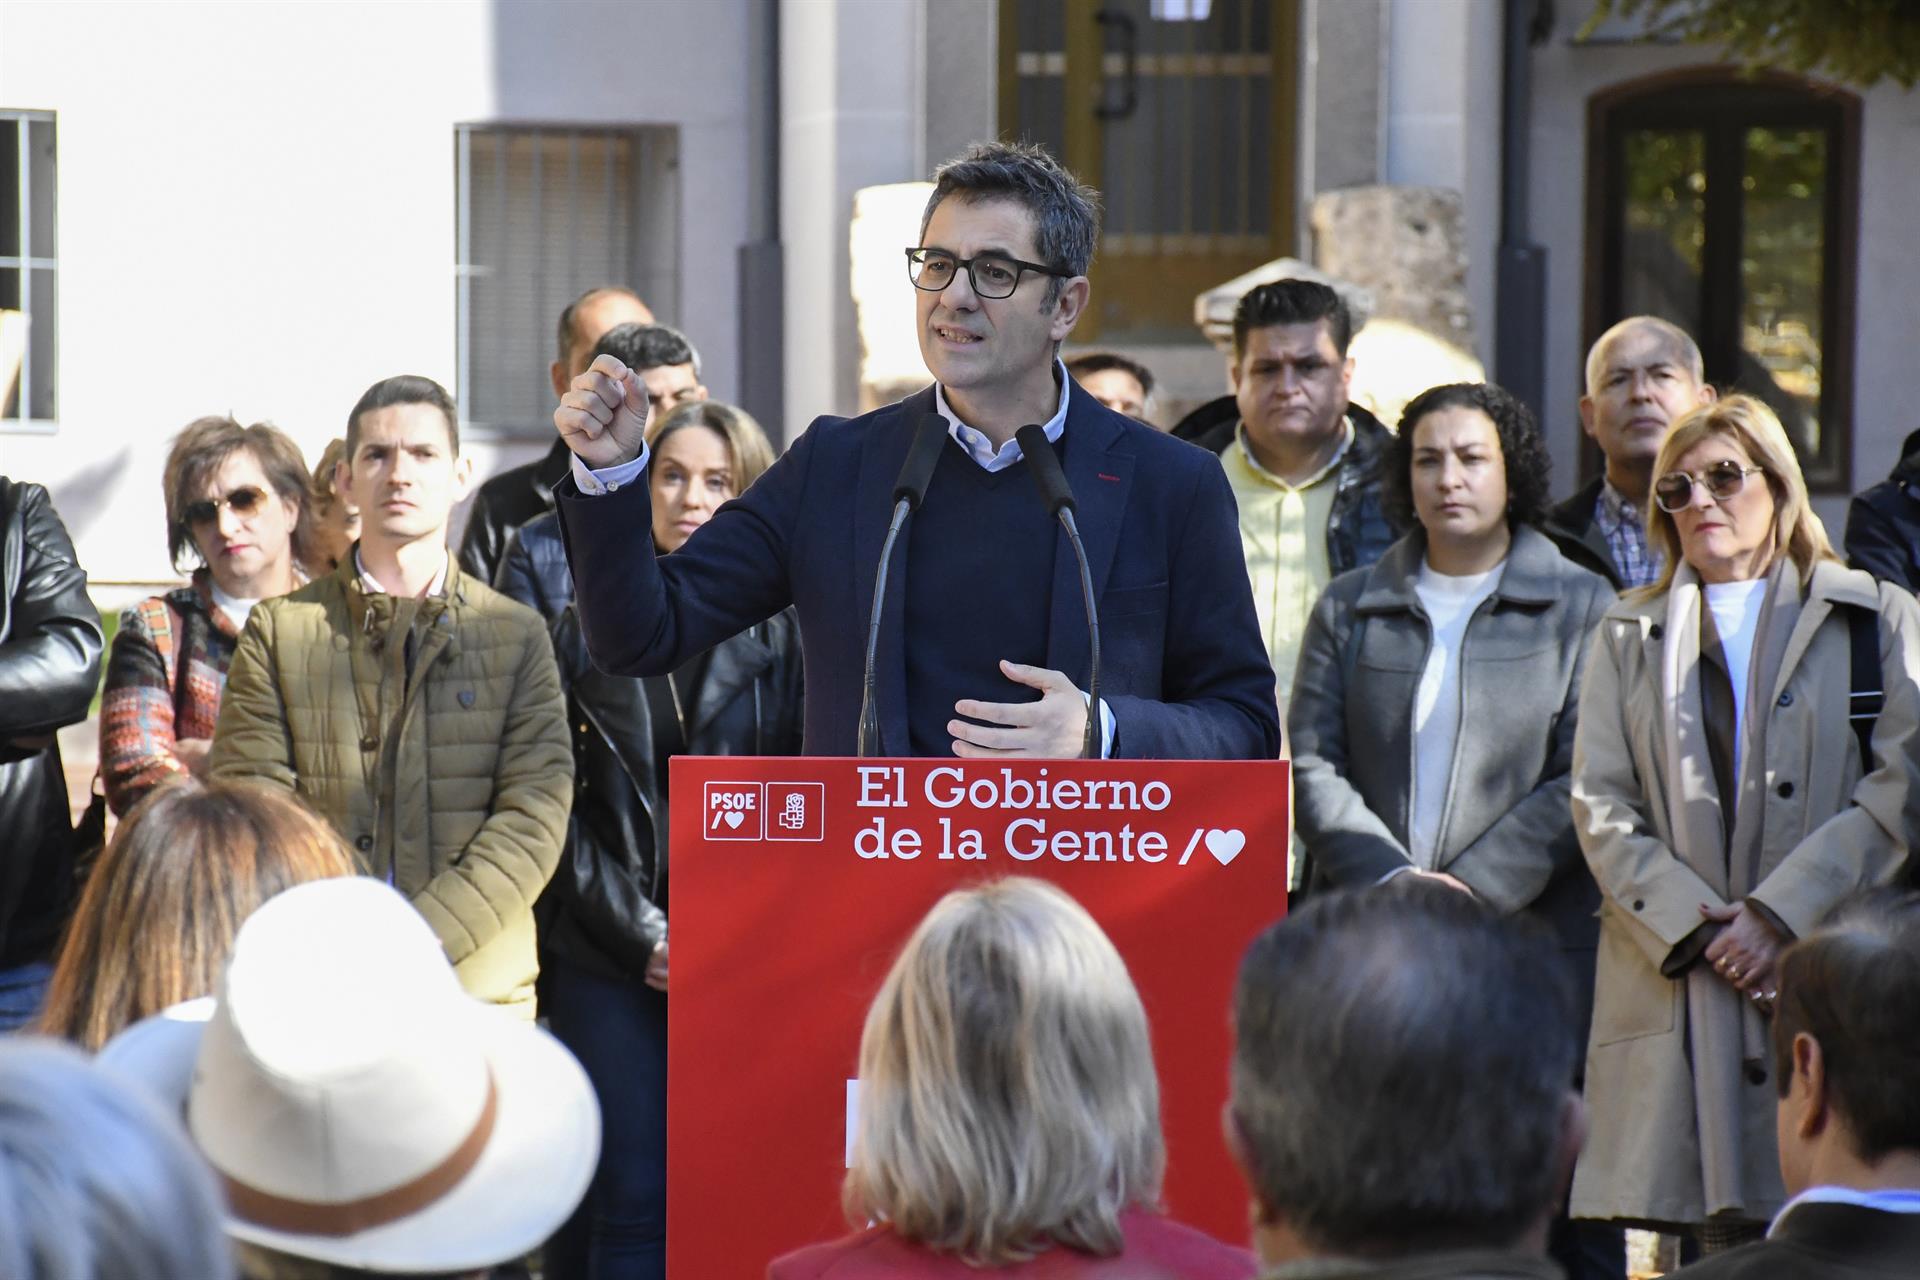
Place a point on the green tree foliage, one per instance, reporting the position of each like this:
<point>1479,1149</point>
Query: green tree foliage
<point>1858,42</point>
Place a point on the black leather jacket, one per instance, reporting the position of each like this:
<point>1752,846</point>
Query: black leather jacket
<point>533,568</point>
<point>503,504</point>
<point>50,645</point>
<point>605,907</point>
<point>1883,523</point>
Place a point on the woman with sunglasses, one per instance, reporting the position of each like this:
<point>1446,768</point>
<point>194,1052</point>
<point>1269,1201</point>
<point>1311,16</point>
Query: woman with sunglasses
<point>1725,805</point>
<point>235,501</point>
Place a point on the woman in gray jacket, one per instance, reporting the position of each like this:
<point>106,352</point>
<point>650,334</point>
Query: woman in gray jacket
<point>1433,708</point>
<point>1433,711</point>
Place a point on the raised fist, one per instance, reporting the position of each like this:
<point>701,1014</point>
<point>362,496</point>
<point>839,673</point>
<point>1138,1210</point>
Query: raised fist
<point>603,415</point>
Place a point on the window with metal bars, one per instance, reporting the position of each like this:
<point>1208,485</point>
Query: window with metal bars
<point>1182,113</point>
<point>543,214</point>
<point>29,265</point>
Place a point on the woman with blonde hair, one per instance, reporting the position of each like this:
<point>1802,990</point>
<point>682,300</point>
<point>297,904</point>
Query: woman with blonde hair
<point>1009,1108</point>
<point>1727,796</point>
<point>163,902</point>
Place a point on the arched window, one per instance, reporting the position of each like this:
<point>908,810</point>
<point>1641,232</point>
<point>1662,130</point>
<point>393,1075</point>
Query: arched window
<point>1729,204</point>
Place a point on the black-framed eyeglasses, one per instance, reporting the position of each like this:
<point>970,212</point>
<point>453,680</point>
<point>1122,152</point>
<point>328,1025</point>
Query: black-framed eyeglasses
<point>1673,492</point>
<point>245,501</point>
<point>991,275</point>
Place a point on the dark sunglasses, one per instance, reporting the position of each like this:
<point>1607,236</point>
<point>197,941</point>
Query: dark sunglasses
<point>1673,492</point>
<point>244,501</point>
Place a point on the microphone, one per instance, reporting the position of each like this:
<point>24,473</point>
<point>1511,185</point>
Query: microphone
<point>909,490</point>
<point>1057,496</point>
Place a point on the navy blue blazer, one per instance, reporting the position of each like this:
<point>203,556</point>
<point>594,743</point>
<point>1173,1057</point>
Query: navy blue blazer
<point>1182,664</point>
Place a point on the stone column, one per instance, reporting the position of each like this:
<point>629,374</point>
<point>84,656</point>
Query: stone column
<point>851,100</point>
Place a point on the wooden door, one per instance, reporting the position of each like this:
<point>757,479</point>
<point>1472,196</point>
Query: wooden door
<point>1182,113</point>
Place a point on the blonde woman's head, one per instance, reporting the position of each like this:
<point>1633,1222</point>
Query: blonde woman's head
<point>1008,1099</point>
<point>1739,432</point>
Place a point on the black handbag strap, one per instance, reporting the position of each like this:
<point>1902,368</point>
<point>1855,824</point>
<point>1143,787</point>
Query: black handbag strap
<point>1867,697</point>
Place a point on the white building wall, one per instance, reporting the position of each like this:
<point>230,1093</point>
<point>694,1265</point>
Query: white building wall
<point>256,207</point>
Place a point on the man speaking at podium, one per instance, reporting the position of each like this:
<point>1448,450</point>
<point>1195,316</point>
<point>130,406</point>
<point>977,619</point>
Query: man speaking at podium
<point>983,647</point>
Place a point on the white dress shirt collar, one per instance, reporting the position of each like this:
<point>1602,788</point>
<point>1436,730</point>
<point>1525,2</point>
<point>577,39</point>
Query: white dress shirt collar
<point>980,449</point>
<point>371,585</point>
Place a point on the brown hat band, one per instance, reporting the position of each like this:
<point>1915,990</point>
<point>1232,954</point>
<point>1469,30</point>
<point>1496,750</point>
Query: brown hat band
<point>345,1218</point>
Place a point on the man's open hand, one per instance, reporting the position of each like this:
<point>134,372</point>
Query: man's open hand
<point>603,415</point>
<point>1053,728</point>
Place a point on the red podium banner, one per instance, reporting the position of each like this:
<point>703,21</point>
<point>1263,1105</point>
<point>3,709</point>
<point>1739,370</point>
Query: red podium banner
<point>794,883</point>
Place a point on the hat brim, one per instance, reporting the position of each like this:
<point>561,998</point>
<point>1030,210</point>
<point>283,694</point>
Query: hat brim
<point>532,1173</point>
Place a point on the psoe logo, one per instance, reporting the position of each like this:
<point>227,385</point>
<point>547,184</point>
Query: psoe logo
<point>796,811</point>
<point>733,811</point>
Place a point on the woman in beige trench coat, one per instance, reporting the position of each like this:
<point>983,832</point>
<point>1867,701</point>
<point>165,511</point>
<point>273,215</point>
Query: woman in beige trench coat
<point>1723,805</point>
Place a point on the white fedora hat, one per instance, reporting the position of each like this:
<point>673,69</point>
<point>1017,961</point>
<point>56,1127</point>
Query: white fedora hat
<point>359,1107</point>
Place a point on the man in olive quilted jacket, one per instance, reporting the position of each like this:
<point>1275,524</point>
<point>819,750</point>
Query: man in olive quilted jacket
<point>411,705</point>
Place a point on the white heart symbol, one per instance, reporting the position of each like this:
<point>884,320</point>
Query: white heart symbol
<point>735,818</point>
<point>1225,846</point>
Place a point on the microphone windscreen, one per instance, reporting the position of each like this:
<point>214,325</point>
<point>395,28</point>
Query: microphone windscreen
<point>1045,465</point>
<point>916,473</point>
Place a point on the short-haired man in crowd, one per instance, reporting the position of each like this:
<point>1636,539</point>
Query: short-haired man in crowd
<point>534,569</point>
<point>668,365</point>
<point>1400,1103</point>
<point>1846,1048</point>
<point>1303,460</point>
<point>411,705</point>
<point>518,494</point>
<point>1122,385</point>
<point>1643,375</point>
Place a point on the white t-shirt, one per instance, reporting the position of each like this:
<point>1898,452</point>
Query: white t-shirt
<point>234,607</point>
<point>1736,614</point>
<point>1450,603</point>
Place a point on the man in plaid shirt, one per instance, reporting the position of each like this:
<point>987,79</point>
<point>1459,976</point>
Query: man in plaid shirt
<point>1643,375</point>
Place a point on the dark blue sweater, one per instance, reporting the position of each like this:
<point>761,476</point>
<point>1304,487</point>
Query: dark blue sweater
<point>979,564</point>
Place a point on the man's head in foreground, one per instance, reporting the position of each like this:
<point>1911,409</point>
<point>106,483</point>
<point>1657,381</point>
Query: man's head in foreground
<point>1846,1043</point>
<point>1402,1078</point>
